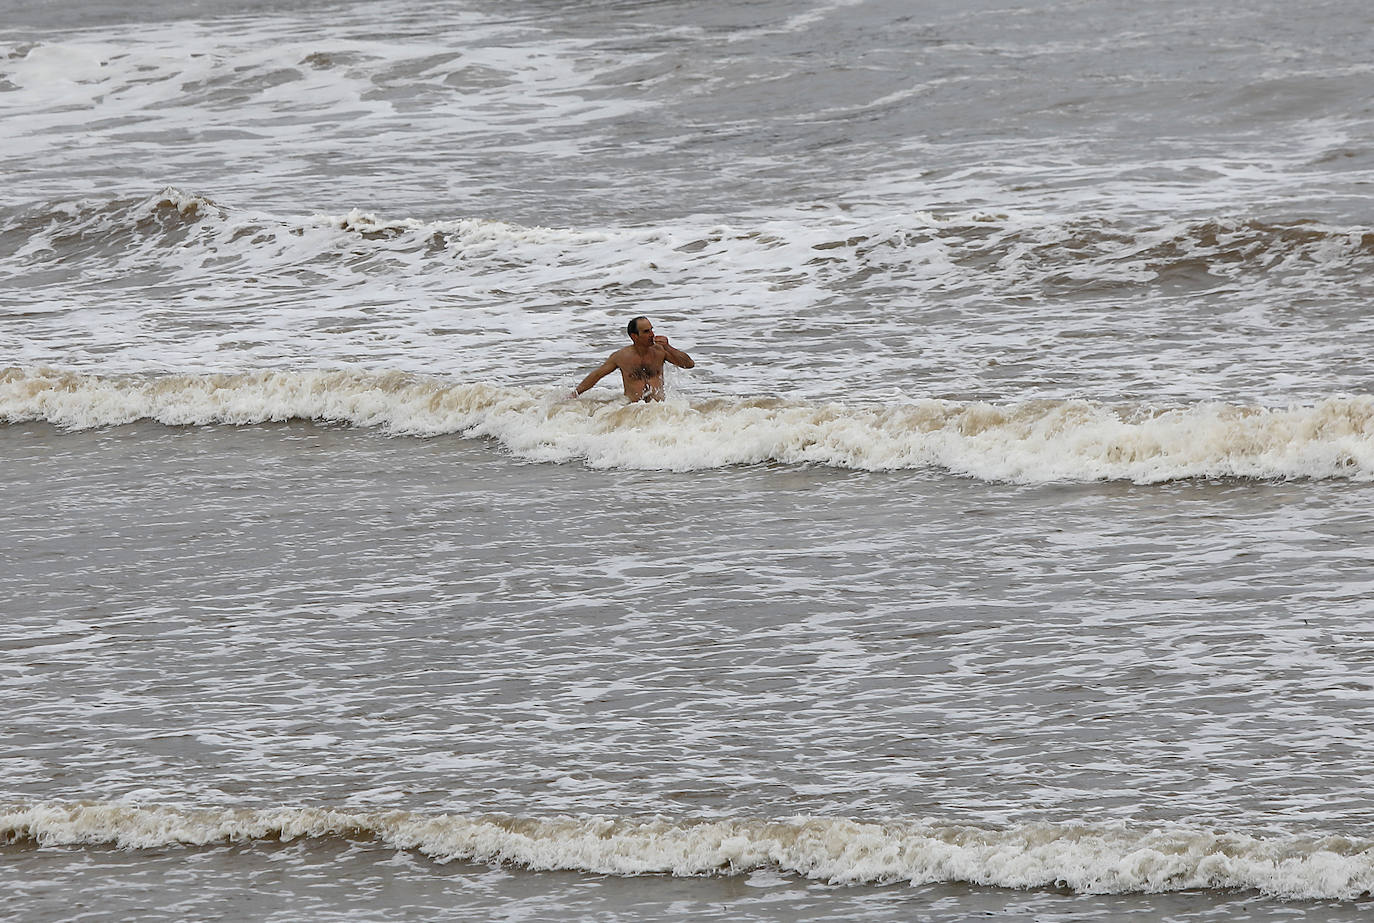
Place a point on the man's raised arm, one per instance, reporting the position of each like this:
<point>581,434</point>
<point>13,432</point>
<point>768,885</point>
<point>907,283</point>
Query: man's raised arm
<point>676,356</point>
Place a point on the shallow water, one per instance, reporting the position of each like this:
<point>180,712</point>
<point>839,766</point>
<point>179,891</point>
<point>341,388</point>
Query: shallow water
<point>477,636</point>
<point>1006,552</point>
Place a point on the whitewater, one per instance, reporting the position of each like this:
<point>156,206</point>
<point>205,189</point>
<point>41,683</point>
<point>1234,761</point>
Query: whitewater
<point>1093,860</point>
<point>1035,442</point>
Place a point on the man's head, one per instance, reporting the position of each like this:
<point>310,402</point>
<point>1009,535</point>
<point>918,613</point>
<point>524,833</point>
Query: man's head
<point>641,330</point>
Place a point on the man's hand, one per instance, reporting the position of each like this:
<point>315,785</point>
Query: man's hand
<point>674,355</point>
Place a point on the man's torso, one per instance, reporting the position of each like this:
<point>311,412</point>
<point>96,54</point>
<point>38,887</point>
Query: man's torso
<point>642,373</point>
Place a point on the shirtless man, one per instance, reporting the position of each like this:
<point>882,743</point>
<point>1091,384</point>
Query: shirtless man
<point>640,363</point>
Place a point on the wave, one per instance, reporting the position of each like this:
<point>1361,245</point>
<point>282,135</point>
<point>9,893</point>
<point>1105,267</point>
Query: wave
<point>1087,858</point>
<point>195,235</point>
<point>1029,442</point>
<point>175,221</point>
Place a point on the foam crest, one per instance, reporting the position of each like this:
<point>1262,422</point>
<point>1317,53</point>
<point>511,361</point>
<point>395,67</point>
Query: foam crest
<point>1084,857</point>
<point>176,210</point>
<point>916,250</point>
<point>1030,442</point>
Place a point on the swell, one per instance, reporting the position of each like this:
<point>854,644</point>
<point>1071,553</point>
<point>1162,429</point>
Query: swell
<point>1025,442</point>
<point>1087,858</point>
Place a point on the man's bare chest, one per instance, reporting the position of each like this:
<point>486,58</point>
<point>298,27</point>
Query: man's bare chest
<point>642,367</point>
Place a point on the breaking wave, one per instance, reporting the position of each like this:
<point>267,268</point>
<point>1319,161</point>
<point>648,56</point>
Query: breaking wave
<point>920,250</point>
<point>1028,442</point>
<point>1086,858</point>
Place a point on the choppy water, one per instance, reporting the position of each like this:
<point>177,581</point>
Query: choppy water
<point>1006,552</point>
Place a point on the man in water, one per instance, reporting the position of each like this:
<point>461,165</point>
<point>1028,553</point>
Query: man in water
<point>640,363</point>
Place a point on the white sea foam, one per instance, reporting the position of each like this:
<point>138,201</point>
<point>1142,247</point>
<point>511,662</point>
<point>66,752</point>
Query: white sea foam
<point>1087,858</point>
<point>251,81</point>
<point>1029,442</point>
<point>811,303</point>
<point>916,250</point>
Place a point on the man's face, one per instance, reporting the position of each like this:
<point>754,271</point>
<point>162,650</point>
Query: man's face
<point>645,334</point>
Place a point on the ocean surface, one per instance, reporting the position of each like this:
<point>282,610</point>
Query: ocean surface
<point>1007,554</point>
